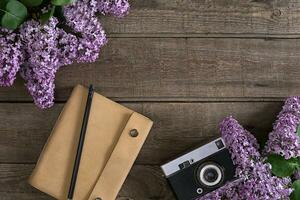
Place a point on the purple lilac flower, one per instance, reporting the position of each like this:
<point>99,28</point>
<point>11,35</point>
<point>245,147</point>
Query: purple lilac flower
<point>241,144</point>
<point>118,8</point>
<point>297,175</point>
<point>81,16</point>
<point>283,140</point>
<point>67,48</point>
<point>257,182</point>
<point>292,105</point>
<point>42,60</point>
<point>11,56</point>
<point>45,48</point>
<point>41,89</point>
<point>41,46</point>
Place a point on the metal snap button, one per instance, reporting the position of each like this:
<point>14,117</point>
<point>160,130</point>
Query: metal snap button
<point>133,133</point>
<point>98,198</point>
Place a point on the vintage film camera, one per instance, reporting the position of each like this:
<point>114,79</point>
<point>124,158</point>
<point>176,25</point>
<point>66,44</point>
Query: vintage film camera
<point>200,171</point>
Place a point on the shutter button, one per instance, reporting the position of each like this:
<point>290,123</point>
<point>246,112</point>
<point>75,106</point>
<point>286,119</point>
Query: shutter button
<point>133,133</point>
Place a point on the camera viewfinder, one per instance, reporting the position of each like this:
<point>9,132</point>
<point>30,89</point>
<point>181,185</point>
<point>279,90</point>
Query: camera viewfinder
<point>184,164</point>
<point>220,144</point>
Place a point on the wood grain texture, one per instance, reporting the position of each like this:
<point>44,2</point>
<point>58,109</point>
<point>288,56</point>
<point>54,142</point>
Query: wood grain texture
<point>186,64</point>
<point>172,69</point>
<point>143,182</point>
<point>177,127</point>
<point>193,17</point>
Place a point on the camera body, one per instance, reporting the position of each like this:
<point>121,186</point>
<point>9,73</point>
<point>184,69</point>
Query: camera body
<point>200,171</point>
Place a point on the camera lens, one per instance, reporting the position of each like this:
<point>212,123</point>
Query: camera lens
<point>210,174</point>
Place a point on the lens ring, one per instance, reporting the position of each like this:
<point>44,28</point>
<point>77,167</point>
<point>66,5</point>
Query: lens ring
<point>210,166</point>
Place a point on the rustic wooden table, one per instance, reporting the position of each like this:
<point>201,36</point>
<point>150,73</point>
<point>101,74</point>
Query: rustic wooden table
<point>186,64</point>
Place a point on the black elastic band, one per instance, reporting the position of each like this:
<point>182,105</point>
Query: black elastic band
<point>81,142</point>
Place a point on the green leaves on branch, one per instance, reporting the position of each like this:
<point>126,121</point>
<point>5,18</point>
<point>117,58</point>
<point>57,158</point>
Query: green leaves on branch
<point>32,3</point>
<point>298,130</point>
<point>61,2</point>
<point>13,12</point>
<point>286,168</point>
<point>46,16</point>
<point>296,193</point>
<point>282,167</point>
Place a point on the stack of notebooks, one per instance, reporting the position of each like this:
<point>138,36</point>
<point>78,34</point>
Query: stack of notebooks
<point>109,151</point>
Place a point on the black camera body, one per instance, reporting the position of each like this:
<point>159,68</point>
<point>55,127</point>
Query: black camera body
<point>200,171</point>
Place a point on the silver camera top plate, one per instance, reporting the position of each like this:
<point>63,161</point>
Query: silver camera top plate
<point>193,156</point>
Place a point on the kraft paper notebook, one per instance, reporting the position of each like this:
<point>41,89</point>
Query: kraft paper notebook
<point>108,154</point>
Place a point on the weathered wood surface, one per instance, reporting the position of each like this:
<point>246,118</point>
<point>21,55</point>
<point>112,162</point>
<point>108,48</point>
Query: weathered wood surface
<point>178,126</point>
<point>172,69</point>
<point>158,18</point>
<point>143,182</point>
<point>186,64</point>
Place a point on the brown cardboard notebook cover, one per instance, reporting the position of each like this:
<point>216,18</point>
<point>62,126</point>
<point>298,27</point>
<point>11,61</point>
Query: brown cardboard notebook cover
<point>108,154</point>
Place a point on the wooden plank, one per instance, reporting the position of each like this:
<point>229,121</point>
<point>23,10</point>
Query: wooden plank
<point>143,182</point>
<point>177,127</point>
<point>201,18</point>
<point>176,69</point>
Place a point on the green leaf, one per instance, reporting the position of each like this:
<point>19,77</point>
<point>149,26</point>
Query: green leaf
<point>14,14</point>
<point>3,4</point>
<point>46,16</point>
<point>59,13</point>
<point>2,7</point>
<point>282,167</point>
<point>62,2</point>
<point>298,130</point>
<point>32,3</point>
<point>296,193</point>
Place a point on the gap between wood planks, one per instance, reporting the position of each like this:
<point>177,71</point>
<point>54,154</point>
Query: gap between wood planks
<point>175,100</point>
<point>206,35</point>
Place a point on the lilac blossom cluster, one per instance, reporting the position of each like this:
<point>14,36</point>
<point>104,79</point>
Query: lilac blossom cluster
<point>11,56</point>
<point>85,21</point>
<point>297,175</point>
<point>255,179</point>
<point>46,48</point>
<point>38,51</point>
<point>118,8</point>
<point>284,140</point>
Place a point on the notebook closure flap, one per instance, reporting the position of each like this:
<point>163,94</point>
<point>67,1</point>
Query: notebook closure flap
<point>122,158</point>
